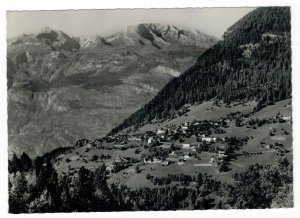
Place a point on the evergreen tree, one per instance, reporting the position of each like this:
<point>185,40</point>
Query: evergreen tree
<point>84,190</point>
<point>18,194</point>
<point>104,199</point>
<point>66,198</point>
<point>48,180</point>
<point>26,162</point>
<point>14,164</point>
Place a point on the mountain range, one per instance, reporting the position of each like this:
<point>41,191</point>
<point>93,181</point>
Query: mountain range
<point>63,88</point>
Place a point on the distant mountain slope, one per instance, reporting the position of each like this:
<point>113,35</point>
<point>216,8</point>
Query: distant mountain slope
<point>62,88</point>
<point>253,61</point>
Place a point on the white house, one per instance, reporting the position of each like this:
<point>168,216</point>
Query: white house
<point>289,118</point>
<point>184,127</point>
<point>209,139</point>
<point>155,160</point>
<point>221,154</point>
<point>180,163</point>
<point>186,157</point>
<point>184,146</point>
<point>172,154</point>
<point>150,140</point>
<point>160,131</point>
<point>110,168</point>
<point>268,146</point>
<point>165,163</point>
<point>212,160</point>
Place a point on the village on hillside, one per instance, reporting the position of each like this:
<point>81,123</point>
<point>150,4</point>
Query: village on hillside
<point>199,143</point>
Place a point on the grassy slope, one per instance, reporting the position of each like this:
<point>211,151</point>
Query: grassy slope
<point>203,111</point>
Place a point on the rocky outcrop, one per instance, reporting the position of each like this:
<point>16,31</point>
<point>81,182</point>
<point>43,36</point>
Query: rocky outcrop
<point>20,59</point>
<point>58,40</point>
<point>165,35</point>
<point>166,70</point>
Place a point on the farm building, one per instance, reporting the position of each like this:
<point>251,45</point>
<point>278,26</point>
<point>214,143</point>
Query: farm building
<point>110,168</point>
<point>152,160</point>
<point>119,146</point>
<point>185,127</point>
<point>208,139</point>
<point>172,154</point>
<point>172,160</point>
<point>134,138</point>
<point>212,160</point>
<point>160,131</point>
<point>165,163</point>
<point>184,146</point>
<point>221,154</point>
<point>150,140</point>
<point>286,118</point>
<point>186,157</point>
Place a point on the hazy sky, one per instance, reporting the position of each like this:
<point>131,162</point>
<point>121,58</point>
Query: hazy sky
<point>86,23</point>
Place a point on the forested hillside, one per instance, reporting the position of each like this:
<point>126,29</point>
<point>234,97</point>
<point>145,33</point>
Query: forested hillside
<point>37,188</point>
<point>252,62</point>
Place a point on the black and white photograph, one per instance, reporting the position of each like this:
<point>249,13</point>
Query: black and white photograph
<point>149,109</point>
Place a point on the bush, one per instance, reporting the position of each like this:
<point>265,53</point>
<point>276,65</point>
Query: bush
<point>94,157</point>
<point>137,169</point>
<point>149,177</point>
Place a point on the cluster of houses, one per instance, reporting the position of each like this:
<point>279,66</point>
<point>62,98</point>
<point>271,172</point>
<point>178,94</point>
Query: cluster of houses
<point>279,118</point>
<point>215,159</point>
<point>282,119</point>
<point>171,159</point>
<point>180,157</point>
<point>169,133</point>
<point>169,136</point>
<point>172,132</point>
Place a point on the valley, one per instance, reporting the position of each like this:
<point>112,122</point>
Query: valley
<point>61,90</point>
